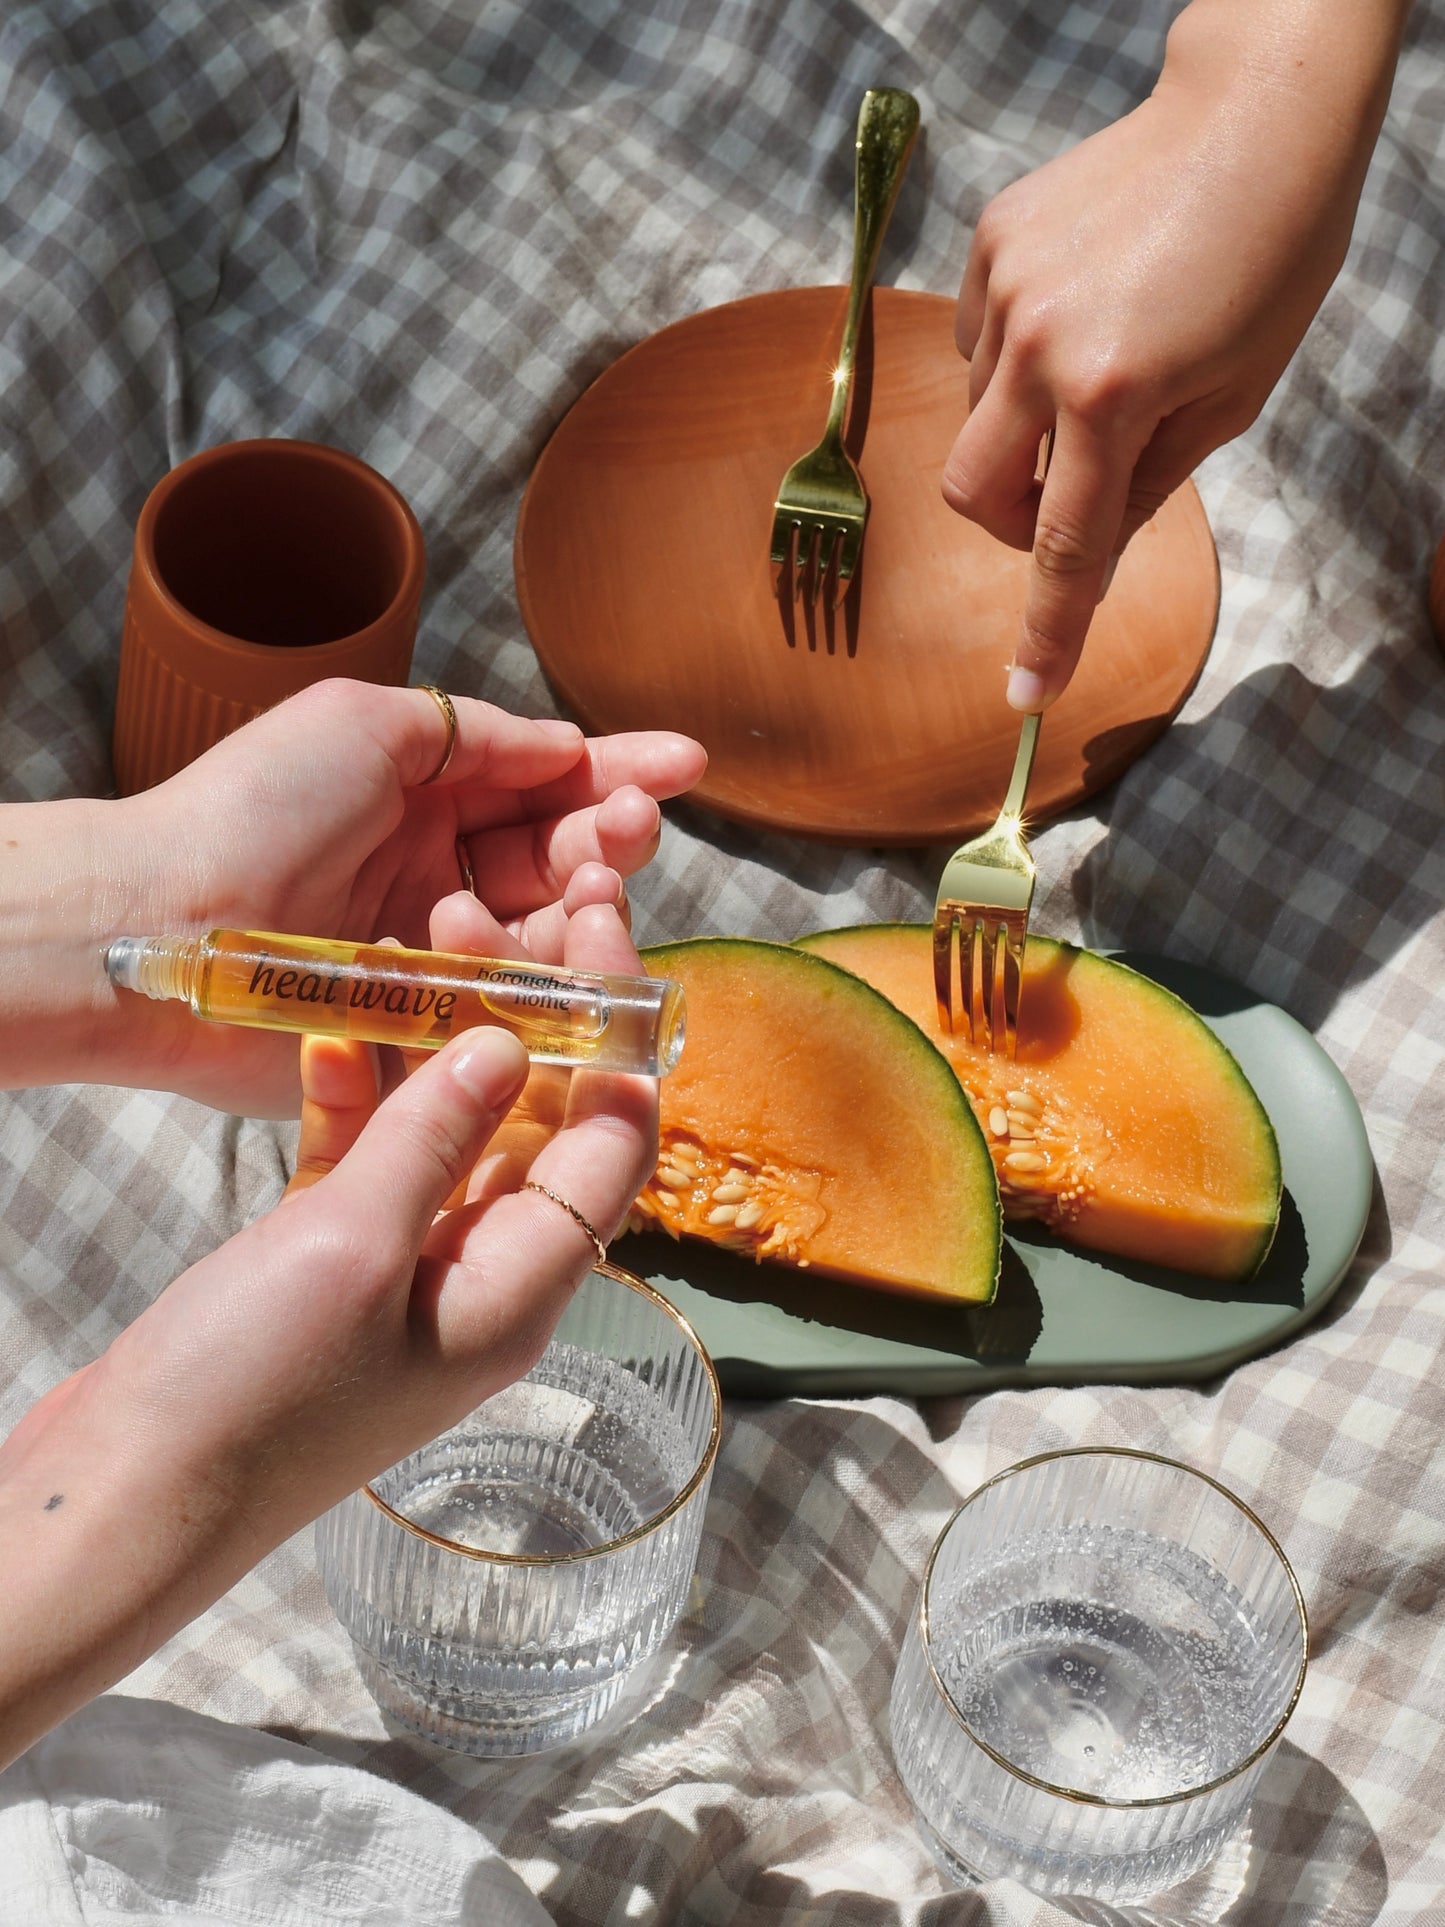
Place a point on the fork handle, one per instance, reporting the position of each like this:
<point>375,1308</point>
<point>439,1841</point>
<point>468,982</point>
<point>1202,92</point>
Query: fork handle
<point>887,128</point>
<point>1013,803</point>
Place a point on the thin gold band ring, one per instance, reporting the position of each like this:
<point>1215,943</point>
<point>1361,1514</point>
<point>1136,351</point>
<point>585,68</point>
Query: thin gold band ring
<point>449,716</point>
<point>573,1213</point>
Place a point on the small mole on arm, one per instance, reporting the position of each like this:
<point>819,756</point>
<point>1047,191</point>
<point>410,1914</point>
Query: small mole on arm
<point>55,1499</point>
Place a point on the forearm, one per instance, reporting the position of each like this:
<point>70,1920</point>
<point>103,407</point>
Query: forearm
<point>113,1539</point>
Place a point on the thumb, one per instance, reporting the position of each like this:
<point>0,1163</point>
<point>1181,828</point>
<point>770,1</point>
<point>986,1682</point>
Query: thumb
<point>424,1139</point>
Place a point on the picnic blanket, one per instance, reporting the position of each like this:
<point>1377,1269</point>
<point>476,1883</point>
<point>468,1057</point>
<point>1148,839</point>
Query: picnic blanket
<point>418,230</point>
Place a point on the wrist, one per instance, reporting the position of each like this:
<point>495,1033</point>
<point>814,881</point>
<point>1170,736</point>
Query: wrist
<point>1325,64</point>
<point>55,883</point>
<point>1292,92</point>
<point>73,874</point>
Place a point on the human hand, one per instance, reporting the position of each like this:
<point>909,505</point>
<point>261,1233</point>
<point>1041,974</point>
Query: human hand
<point>1141,295</point>
<point>318,819</point>
<point>319,1345</point>
<point>343,1079</point>
<point>398,1282</point>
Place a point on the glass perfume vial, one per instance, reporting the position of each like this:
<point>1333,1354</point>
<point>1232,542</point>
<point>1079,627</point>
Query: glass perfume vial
<point>415,998</point>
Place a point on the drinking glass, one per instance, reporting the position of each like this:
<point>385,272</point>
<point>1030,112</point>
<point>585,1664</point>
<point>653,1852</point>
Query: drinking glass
<point>1107,1647</point>
<point>503,1583</point>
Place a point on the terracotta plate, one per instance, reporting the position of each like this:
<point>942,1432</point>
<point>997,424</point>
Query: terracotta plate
<point>644,581</point>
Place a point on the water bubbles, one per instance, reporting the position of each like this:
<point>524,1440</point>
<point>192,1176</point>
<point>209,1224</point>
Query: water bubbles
<point>1117,1675</point>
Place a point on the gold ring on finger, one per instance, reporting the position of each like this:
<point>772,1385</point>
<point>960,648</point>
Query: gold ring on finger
<point>573,1213</point>
<point>449,716</point>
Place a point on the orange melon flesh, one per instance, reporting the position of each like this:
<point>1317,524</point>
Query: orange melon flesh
<point>810,1123</point>
<point>1123,1124</point>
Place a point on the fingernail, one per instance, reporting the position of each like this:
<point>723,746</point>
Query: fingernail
<point>559,727</point>
<point>1108,576</point>
<point>1025,689</point>
<point>490,1065</point>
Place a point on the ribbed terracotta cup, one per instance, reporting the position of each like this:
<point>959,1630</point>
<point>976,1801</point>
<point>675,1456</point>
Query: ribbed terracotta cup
<point>260,567</point>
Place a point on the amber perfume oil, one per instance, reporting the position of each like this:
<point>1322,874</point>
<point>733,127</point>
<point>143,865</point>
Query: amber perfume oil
<point>415,998</point>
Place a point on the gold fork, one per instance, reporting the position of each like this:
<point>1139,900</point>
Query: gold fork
<point>984,898</point>
<point>822,505</point>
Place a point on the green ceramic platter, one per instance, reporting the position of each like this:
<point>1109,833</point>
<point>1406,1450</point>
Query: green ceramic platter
<point>1060,1317</point>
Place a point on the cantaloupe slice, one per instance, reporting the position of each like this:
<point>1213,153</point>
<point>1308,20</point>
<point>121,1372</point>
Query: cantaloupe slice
<point>810,1123</point>
<point>1123,1124</point>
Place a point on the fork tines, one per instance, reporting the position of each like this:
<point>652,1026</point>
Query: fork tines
<point>988,975</point>
<point>983,904</point>
<point>807,555</point>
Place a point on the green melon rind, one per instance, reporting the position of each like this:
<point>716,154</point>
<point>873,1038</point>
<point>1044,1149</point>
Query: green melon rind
<point>839,940</point>
<point>978,1228</point>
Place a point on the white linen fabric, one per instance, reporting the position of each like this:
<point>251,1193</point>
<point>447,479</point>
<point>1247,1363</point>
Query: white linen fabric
<point>418,230</point>
<point>134,1811</point>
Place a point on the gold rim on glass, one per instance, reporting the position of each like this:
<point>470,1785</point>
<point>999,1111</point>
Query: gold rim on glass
<point>648,1526</point>
<point>1073,1793</point>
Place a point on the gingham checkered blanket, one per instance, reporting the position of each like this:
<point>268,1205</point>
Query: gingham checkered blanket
<point>418,230</point>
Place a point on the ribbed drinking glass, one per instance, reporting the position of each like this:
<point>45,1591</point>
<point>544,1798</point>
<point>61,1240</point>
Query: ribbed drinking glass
<point>502,1584</point>
<point>1107,1647</point>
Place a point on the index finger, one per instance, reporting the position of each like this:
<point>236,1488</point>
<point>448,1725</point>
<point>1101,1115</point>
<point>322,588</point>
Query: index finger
<point>338,1095</point>
<point>511,1260</point>
<point>1081,507</point>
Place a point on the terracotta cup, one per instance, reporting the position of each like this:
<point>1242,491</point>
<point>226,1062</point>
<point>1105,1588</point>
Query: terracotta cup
<point>259,567</point>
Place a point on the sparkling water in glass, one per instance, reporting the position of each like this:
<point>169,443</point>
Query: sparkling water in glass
<point>1107,1647</point>
<point>502,1584</point>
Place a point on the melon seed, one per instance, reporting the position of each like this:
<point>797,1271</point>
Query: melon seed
<point>998,1121</point>
<point>730,1193</point>
<point>1025,1161</point>
<point>723,1214</point>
